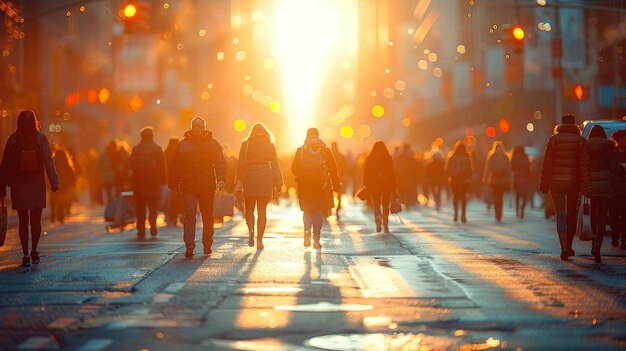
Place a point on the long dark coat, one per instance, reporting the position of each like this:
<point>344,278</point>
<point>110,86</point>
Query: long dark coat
<point>566,162</point>
<point>459,169</point>
<point>28,191</point>
<point>601,155</point>
<point>197,164</point>
<point>492,178</point>
<point>379,176</point>
<point>258,168</point>
<point>148,182</point>
<point>522,175</point>
<point>317,196</point>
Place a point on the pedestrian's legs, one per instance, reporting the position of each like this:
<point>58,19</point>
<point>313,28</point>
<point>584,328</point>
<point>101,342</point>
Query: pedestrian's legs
<point>152,216</point>
<point>518,197</point>
<point>622,222</point>
<point>262,216</point>
<point>572,218</point>
<point>318,220</point>
<point>206,209</point>
<point>35,230</point>
<point>455,201</point>
<point>385,204</point>
<point>498,201</point>
<point>250,204</point>
<point>376,201</point>
<point>307,219</point>
<point>599,209</point>
<point>560,209</point>
<point>437,194</point>
<point>140,210</point>
<point>23,217</point>
<point>463,189</point>
<point>189,221</point>
<point>524,201</point>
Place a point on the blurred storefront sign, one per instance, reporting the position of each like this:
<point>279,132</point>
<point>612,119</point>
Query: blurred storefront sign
<point>572,44</point>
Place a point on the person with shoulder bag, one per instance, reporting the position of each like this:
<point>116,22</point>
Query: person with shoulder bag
<point>258,177</point>
<point>26,161</point>
<point>379,179</point>
<point>316,175</point>
<point>565,174</point>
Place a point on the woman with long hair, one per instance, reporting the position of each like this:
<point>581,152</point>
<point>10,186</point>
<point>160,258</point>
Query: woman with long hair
<point>379,180</point>
<point>522,176</point>
<point>26,157</point>
<point>459,170</point>
<point>497,175</point>
<point>259,176</point>
<point>59,201</point>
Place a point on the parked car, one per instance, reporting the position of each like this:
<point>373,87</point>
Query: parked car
<point>609,126</point>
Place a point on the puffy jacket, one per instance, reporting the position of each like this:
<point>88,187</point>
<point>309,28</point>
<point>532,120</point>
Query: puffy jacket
<point>147,163</point>
<point>566,162</point>
<point>258,168</point>
<point>618,174</point>
<point>522,176</point>
<point>197,164</point>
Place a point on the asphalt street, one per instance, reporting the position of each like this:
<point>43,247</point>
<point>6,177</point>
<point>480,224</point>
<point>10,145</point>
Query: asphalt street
<point>431,284</point>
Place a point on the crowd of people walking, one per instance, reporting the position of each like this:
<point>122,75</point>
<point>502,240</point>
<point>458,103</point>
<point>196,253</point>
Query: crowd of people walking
<point>196,168</point>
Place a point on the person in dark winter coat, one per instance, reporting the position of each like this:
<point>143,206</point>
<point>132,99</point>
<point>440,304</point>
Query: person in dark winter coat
<point>26,161</point>
<point>379,180</point>
<point>175,201</point>
<point>316,175</point>
<point>497,176</point>
<point>259,176</point>
<point>565,175</point>
<point>522,177</point>
<point>197,169</point>
<point>147,164</point>
<point>618,183</point>
<point>59,201</point>
<point>601,155</point>
<point>459,170</point>
<point>406,171</point>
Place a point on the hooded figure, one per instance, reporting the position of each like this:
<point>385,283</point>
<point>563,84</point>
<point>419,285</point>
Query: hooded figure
<point>565,175</point>
<point>196,171</point>
<point>316,174</point>
<point>147,164</point>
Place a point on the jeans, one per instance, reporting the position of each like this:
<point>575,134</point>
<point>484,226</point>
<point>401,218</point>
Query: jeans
<point>617,208</point>
<point>381,200</point>
<point>565,204</point>
<point>498,199</point>
<point>459,197</point>
<point>142,202</point>
<point>191,201</point>
<point>599,209</point>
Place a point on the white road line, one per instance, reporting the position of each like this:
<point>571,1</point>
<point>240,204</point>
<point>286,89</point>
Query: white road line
<point>96,345</point>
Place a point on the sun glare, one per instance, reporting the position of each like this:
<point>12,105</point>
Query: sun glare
<point>305,31</point>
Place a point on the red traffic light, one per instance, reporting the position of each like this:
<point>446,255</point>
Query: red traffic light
<point>579,92</point>
<point>518,33</point>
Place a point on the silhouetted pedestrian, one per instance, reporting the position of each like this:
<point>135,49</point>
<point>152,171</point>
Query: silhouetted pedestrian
<point>258,175</point>
<point>379,180</point>
<point>436,174</point>
<point>406,174</point>
<point>175,201</point>
<point>316,175</point>
<point>343,170</point>
<point>147,164</point>
<point>26,155</point>
<point>497,176</point>
<point>618,183</point>
<point>565,174</point>
<point>522,178</point>
<point>197,169</point>
<point>59,201</point>
<point>459,170</point>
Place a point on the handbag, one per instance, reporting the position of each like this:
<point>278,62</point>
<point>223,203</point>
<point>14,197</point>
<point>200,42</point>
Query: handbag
<point>394,205</point>
<point>583,227</point>
<point>3,224</point>
<point>363,194</point>
<point>223,205</point>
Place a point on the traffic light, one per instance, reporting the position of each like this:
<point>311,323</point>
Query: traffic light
<point>513,38</point>
<point>575,92</point>
<point>136,16</point>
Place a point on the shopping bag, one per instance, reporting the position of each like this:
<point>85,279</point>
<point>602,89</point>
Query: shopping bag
<point>583,227</point>
<point>394,205</point>
<point>3,224</point>
<point>223,205</point>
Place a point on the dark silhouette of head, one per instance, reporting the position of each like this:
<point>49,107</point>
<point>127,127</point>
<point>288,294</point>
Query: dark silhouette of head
<point>460,148</point>
<point>379,151</point>
<point>519,151</point>
<point>312,132</point>
<point>259,132</point>
<point>568,119</point>
<point>27,125</point>
<point>147,133</point>
<point>597,132</point>
<point>173,143</point>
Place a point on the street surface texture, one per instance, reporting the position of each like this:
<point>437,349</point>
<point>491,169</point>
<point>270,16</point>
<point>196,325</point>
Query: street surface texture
<point>431,284</point>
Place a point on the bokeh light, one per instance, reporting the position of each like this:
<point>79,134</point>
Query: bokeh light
<point>275,107</point>
<point>104,95</point>
<point>269,63</point>
<point>378,111</point>
<point>504,126</point>
<point>530,127</point>
<point>347,132</point>
<point>136,103</point>
<point>239,125</point>
<point>491,132</point>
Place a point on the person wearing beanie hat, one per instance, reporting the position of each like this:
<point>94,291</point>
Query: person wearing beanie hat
<point>565,174</point>
<point>147,164</point>
<point>317,177</point>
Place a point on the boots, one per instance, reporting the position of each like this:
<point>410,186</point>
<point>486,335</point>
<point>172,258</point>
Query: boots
<point>316,241</point>
<point>378,225</point>
<point>564,246</point>
<point>251,238</point>
<point>597,248</point>
<point>307,238</point>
